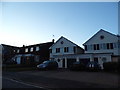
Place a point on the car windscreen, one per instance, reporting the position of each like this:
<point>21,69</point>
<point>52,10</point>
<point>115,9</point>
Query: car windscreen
<point>45,62</point>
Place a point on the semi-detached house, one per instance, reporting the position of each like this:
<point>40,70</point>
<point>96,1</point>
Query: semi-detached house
<point>101,47</point>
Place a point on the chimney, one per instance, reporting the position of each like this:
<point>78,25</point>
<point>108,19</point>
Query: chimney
<point>53,40</point>
<point>23,45</point>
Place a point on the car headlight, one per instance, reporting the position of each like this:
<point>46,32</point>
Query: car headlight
<point>37,65</point>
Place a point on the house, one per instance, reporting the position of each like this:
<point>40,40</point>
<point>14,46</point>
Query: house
<point>62,51</point>
<point>33,53</point>
<point>103,47</point>
<point>8,52</point>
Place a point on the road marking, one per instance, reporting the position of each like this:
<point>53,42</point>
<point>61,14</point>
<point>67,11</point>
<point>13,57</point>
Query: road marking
<point>23,83</point>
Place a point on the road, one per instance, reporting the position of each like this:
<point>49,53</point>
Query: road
<point>11,83</point>
<point>41,81</point>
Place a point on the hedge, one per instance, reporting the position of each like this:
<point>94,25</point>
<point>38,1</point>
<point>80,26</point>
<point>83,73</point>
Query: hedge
<point>111,66</point>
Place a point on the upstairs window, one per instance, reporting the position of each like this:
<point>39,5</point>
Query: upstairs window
<point>66,49</point>
<point>111,45</point>
<point>57,50</point>
<point>31,49</point>
<point>37,48</point>
<point>14,51</point>
<point>26,50</point>
<point>96,47</point>
<point>18,51</point>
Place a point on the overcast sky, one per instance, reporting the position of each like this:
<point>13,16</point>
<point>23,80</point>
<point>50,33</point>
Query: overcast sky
<point>36,22</point>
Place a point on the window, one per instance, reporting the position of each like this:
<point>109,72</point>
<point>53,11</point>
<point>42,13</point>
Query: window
<point>85,47</point>
<point>37,48</point>
<point>14,51</point>
<point>108,46</point>
<point>91,47</point>
<point>104,46</point>
<point>111,45</point>
<point>26,50</point>
<point>66,49</point>
<point>57,50</point>
<point>95,47</point>
<point>18,51</point>
<point>31,49</point>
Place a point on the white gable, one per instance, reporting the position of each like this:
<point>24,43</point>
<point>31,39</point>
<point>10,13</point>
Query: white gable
<point>63,42</point>
<point>102,37</point>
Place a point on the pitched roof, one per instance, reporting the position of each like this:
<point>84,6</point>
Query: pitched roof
<point>66,39</point>
<point>40,44</point>
<point>99,32</point>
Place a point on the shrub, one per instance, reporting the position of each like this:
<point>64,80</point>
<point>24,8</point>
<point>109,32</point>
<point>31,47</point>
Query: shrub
<point>110,66</point>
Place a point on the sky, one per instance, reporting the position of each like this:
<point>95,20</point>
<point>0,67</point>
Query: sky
<point>28,23</point>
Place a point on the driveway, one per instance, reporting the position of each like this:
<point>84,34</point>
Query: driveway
<point>101,78</point>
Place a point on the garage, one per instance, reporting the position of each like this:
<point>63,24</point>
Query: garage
<point>85,60</point>
<point>70,62</point>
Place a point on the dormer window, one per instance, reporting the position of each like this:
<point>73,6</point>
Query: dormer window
<point>18,51</point>
<point>26,50</point>
<point>37,48</point>
<point>31,49</point>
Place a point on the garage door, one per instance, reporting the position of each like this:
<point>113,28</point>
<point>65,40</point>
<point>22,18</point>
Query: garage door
<point>70,62</point>
<point>85,60</point>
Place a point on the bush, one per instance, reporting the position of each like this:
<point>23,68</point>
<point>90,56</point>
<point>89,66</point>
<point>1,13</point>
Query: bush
<point>110,66</point>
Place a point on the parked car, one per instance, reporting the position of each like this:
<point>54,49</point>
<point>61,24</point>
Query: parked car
<point>93,66</point>
<point>48,65</point>
<point>10,62</point>
<point>78,66</point>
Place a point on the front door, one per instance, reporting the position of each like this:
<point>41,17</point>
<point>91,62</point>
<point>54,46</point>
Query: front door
<point>63,63</point>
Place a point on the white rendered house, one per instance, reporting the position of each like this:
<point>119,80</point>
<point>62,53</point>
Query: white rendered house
<point>104,46</point>
<point>63,48</point>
